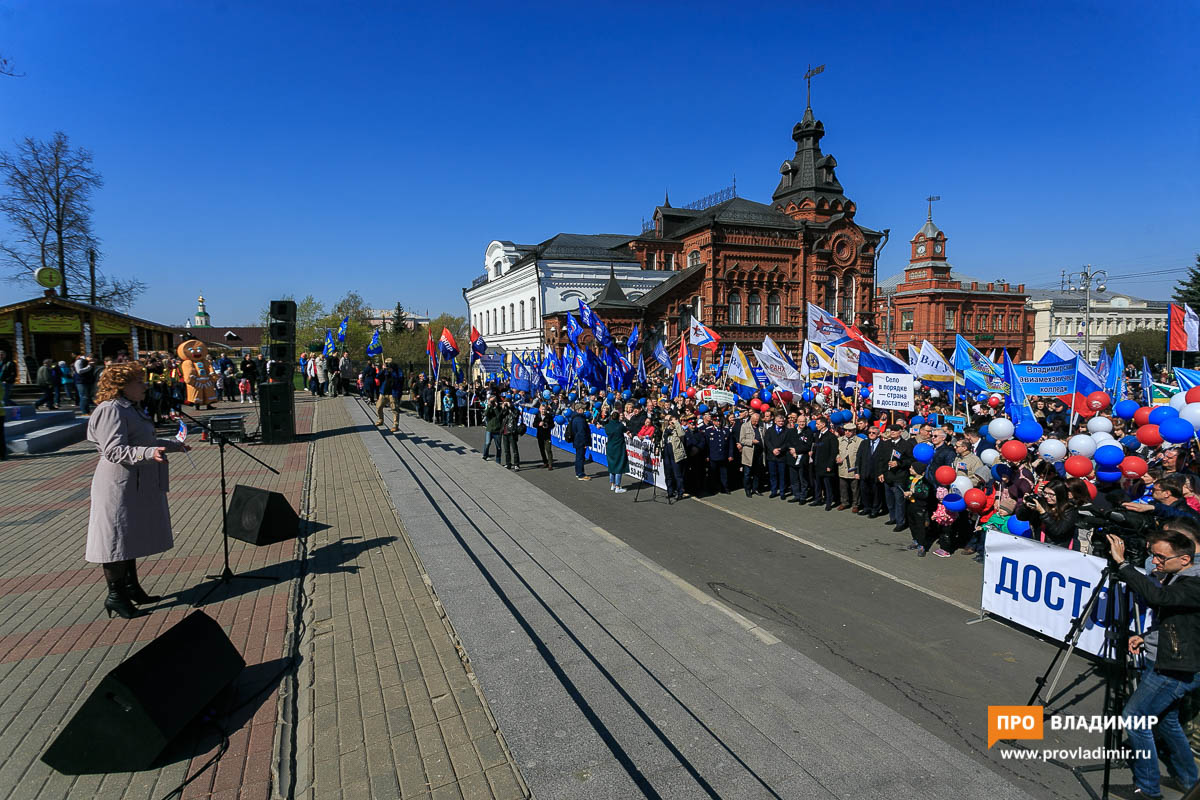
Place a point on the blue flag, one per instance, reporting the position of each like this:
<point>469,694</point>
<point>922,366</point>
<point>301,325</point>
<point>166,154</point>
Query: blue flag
<point>374,348</point>
<point>573,329</point>
<point>1115,385</point>
<point>633,339</point>
<point>1103,365</point>
<point>1015,404</point>
<point>1147,383</point>
<point>342,330</point>
<point>719,367</point>
<point>641,370</point>
<point>978,372</point>
<point>330,347</point>
<point>660,355</point>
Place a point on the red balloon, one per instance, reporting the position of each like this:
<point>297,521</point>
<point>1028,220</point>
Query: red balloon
<point>1091,489</point>
<point>711,386</point>
<point>755,403</point>
<point>993,401</point>
<point>1193,395</point>
<point>1149,435</point>
<point>785,396</point>
<point>1098,401</point>
<point>1085,411</point>
<point>1142,415</point>
<point>1133,467</point>
<point>1014,450</point>
<point>1078,466</point>
<point>945,475</point>
<point>691,392</point>
<point>976,500</point>
<point>828,390</point>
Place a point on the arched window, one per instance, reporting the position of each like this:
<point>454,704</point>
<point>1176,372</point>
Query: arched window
<point>831,294</point>
<point>735,308</point>
<point>754,310</point>
<point>697,307</point>
<point>847,306</point>
<point>693,258</point>
<point>533,317</point>
<point>773,308</point>
<point>503,311</point>
<point>512,316</point>
<point>522,316</point>
<point>496,267</point>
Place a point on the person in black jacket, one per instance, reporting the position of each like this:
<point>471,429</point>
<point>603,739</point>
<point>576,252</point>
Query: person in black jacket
<point>1175,670</point>
<point>427,391</point>
<point>870,468</point>
<point>369,390</point>
<point>543,424</point>
<point>720,453</point>
<point>800,464</point>
<point>579,434</point>
<point>824,460</point>
<point>776,448</point>
<point>896,477</point>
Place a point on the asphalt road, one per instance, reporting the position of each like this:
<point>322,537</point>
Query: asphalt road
<point>845,591</point>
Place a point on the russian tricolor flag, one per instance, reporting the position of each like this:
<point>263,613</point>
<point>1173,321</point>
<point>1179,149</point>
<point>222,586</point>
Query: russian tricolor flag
<point>1183,329</point>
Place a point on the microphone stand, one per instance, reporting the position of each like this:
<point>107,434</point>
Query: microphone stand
<point>226,575</point>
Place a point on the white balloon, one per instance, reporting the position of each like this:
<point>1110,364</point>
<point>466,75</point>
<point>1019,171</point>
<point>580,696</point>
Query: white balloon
<point>962,483</point>
<point>1191,413</point>
<point>1179,400</point>
<point>1102,437</point>
<point>1000,429</point>
<point>989,456</point>
<point>820,398</point>
<point>934,393</point>
<point>1052,450</point>
<point>1098,424</point>
<point>1081,445</point>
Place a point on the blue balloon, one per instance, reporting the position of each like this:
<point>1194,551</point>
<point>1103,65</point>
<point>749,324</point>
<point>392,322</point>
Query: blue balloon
<point>807,396</point>
<point>546,394</point>
<point>847,390</point>
<point>954,502</point>
<point>595,391</point>
<point>1110,455</point>
<point>1028,431</point>
<point>812,424</point>
<point>864,393</point>
<point>641,401</point>
<point>666,390</point>
<point>1161,414</point>
<point>560,419</point>
<point>918,420</point>
<point>702,408</point>
<point>981,397</point>
<point>765,395</point>
<point>1019,527</point>
<point>572,397</point>
<point>923,452</point>
<point>1125,409</point>
<point>1108,475</point>
<point>1001,471</point>
<point>1131,442</point>
<point>568,413</point>
<point>626,394</point>
<point>865,413</point>
<point>1176,430</point>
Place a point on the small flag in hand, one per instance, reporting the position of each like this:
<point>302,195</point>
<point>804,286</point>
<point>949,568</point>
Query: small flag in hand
<point>182,435</point>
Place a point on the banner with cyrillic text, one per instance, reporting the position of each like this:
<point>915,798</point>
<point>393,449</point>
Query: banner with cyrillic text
<point>1043,587</point>
<point>639,452</point>
<point>1047,380</point>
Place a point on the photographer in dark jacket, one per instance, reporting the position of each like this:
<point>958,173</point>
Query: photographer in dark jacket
<point>1176,667</point>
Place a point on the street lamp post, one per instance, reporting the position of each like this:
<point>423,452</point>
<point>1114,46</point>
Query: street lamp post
<point>1082,282</point>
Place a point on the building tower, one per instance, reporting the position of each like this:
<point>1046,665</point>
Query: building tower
<point>201,320</point>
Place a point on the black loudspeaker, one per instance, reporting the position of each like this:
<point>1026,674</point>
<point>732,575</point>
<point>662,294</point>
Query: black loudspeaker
<point>281,331</point>
<point>261,517</point>
<point>283,310</point>
<point>147,700</point>
<point>277,412</point>
<point>282,351</point>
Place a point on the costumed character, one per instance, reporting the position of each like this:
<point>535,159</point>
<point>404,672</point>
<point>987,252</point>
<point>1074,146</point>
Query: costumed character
<point>197,373</point>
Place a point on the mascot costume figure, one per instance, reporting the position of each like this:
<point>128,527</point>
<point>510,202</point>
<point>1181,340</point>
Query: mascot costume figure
<point>198,373</point>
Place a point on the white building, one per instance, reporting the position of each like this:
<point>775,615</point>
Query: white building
<point>1058,314</point>
<point>522,283</point>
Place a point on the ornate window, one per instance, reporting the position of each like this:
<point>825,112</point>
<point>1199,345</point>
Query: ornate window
<point>497,265</point>
<point>754,310</point>
<point>831,294</point>
<point>735,308</point>
<point>522,316</point>
<point>847,300</point>
<point>533,317</point>
<point>983,322</point>
<point>906,320</point>
<point>966,322</point>
<point>773,308</point>
<point>693,259</point>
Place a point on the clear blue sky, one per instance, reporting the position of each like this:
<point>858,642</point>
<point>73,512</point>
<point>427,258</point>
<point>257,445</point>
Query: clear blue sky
<point>252,148</point>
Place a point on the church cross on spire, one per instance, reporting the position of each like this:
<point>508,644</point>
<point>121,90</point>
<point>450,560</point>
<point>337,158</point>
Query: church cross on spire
<point>808,76</point>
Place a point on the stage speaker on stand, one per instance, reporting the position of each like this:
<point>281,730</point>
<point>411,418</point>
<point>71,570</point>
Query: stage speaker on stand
<point>147,700</point>
<point>261,517</point>
<point>276,395</point>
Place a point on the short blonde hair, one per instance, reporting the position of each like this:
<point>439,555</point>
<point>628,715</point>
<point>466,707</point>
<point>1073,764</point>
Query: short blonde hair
<point>116,377</point>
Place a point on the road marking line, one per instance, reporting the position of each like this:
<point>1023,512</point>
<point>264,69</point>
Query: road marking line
<point>696,593</point>
<point>843,557</point>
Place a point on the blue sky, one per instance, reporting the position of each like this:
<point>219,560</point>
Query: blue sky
<point>253,148</point>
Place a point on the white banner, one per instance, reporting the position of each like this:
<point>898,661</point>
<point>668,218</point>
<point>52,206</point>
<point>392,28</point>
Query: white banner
<point>892,391</point>
<point>719,397</point>
<point>1043,587</point>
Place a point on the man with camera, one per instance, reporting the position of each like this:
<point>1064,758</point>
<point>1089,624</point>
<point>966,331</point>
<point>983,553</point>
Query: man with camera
<point>1175,667</point>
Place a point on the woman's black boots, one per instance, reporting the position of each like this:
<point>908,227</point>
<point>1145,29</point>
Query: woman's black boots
<point>116,575</point>
<point>136,593</point>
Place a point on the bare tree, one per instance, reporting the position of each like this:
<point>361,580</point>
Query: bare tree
<point>48,188</point>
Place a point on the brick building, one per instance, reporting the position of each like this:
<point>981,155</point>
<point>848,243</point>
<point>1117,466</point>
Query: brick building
<point>930,300</point>
<point>747,269</point>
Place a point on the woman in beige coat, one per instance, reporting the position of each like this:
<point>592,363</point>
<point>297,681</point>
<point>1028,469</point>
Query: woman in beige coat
<point>129,517</point>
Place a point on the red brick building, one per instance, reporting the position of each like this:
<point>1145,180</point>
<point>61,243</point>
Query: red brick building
<point>747,269</point>
<point>932,301</point>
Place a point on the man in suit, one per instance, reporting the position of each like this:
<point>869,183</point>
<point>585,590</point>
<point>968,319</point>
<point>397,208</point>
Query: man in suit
<point>775,448</point>
<point>899,458</point>
<point>870,467</point>
<point>824,463</point>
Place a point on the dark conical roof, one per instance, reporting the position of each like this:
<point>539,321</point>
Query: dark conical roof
<point>809,173</point>
<point>613,296</point>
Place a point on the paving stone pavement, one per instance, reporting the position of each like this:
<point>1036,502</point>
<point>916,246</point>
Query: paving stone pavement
<point>611,678</point>
<point>56,644</point>
<point>390,708</point>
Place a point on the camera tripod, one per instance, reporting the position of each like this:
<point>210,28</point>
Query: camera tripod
<point>1115,660</point>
